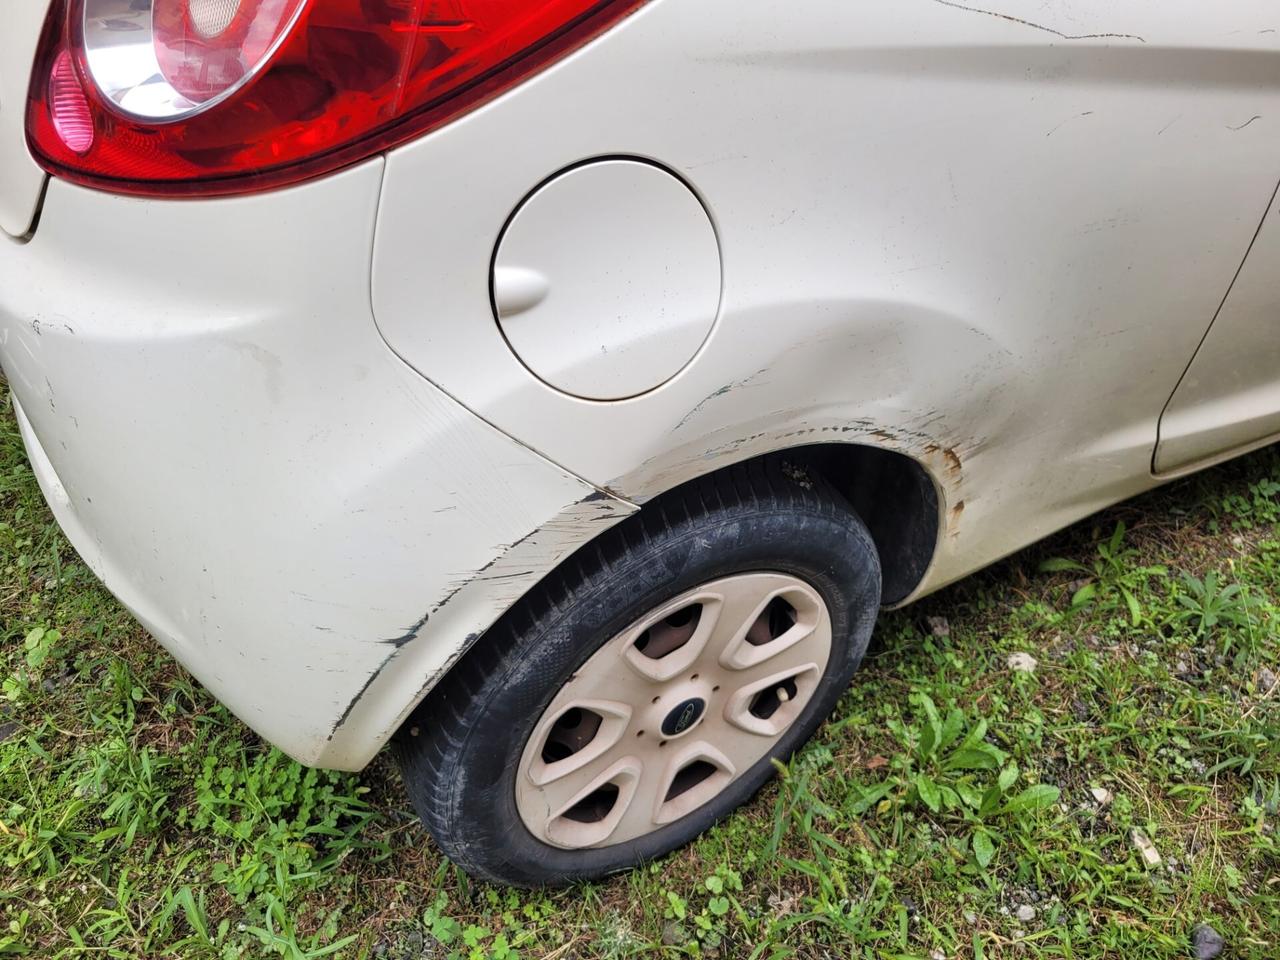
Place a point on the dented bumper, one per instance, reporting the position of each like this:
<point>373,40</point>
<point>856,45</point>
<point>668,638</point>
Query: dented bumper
<point>307,524</point>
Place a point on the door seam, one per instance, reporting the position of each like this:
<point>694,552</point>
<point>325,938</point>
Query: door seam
<point>1266,211</point>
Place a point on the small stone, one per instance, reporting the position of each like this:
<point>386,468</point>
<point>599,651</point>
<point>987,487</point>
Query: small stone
<point>1057,647</point>
<point>7,730</point>
<point>1266,681</point>
<point>674,934</point>
<point>1079,709</point>
<point>1102,795</point>
<point>1026,913</point>
<point>937,954</point>
<point>939,626</point>
<point>910,906</point>
<point>781,903</point>
<point>970,917</point>
<point>1022,662</point>
<point>1208,942</point>
<point>1150,855</point>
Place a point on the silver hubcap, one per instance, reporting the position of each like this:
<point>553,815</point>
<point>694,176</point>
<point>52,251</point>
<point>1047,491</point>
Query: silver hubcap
<point>672,710</point>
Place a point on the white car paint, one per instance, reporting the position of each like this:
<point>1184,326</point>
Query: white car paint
<point>967,237</point>
<point>21,179</point>
<point>991,239</point>
<point>283,503</point>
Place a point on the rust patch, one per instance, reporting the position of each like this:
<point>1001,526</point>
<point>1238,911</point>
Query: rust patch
<point>953,461</point>
<point>953,517</point>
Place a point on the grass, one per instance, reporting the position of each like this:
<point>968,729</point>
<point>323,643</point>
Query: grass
<point>957,805</point>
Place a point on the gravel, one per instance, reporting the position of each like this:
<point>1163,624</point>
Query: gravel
<point>1022,662</point>
<point>1208,942</point>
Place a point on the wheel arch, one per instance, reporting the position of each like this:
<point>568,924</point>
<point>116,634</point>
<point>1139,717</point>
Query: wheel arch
<point>898,500</point>
<point>897,497</point>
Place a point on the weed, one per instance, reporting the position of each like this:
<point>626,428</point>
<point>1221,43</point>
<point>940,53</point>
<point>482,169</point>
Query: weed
<point>1206,604</point>
<point>283,824</point>
<point>1114,577</point>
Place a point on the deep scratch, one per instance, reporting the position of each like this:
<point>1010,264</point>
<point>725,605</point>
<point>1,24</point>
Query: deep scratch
<point>1256,116</point>
<point>360,693</point>
<point>718,393</point>
<point>477,575</point>
<point>410,634</point>
<point>1038,26</point>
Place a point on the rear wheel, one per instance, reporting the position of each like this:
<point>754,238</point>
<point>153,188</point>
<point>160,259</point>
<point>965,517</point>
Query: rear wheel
<point>639,695</point>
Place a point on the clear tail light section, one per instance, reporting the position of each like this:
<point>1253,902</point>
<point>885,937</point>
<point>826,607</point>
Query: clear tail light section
<point>169,59</point>
<point>206,97</point>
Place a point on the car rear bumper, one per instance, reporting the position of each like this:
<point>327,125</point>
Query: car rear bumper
<point>234,450</point>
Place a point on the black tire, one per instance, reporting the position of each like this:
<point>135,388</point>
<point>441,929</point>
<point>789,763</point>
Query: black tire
<point>460,767</point>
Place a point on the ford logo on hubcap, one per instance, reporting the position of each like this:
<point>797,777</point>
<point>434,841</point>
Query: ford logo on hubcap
<point>683,716</point>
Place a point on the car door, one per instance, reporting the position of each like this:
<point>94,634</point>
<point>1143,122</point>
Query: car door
<point>1228,400</point>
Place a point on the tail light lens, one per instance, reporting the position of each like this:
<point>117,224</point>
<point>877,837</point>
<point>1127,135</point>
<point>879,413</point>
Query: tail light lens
<point>169,59</point>
<point>230,96</point>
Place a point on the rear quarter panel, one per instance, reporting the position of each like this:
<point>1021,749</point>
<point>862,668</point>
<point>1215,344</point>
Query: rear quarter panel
<point>988,238</point>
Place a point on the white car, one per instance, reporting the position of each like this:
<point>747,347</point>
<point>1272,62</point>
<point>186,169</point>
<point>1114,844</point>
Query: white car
<point>560,389</point>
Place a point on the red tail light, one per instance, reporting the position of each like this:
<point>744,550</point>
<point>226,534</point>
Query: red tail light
<point>230,96</point>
